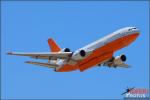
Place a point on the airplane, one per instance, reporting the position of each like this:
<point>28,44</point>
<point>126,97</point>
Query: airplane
<point>98,53</point>
<point>128,90</point>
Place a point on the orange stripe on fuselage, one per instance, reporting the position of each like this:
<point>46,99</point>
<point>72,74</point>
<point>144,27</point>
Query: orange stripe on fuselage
<point>101,54</point>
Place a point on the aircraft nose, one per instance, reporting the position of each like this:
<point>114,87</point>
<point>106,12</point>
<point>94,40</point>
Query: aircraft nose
<point>133,29</point>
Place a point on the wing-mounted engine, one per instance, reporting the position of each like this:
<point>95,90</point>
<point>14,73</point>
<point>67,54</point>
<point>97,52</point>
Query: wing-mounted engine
<point>119,59</point>
<point>80,54</point>
<point>116,61</point>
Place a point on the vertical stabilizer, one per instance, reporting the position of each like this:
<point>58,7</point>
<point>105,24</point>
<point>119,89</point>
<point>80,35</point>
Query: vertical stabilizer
<point>53,46</point>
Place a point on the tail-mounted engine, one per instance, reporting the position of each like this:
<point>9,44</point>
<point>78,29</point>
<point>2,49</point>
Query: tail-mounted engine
<point>66,50</point>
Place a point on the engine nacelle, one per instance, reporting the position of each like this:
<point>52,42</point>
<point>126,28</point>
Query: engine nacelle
<point>119,59</point>
<point>82,53</point>
<point>65,50</point>
<point>115,61</point>
<point>79,55</point>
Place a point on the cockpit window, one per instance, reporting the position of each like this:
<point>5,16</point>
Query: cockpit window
<point>132,29</point>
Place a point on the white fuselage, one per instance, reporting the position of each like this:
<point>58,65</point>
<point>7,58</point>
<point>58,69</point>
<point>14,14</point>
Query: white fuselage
<point>111,37</point>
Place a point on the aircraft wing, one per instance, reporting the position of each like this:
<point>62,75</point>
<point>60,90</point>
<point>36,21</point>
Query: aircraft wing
<point>45,55</point>
<point>123,65</point>
<point>43,64</point>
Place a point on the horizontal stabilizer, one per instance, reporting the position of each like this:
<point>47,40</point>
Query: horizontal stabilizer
<point>43,64</point>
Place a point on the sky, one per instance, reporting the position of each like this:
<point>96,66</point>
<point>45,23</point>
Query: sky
<point>26,26</point>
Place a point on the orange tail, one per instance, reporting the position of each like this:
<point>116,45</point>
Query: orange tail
<point>53,46</point>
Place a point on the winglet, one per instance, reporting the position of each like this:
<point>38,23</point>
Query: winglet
<point>53,46</point>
